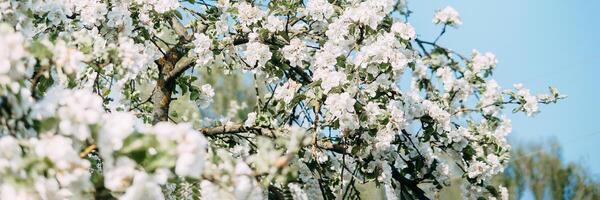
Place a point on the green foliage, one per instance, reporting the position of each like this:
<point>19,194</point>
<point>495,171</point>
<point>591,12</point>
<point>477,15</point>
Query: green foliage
<point>541,169</point>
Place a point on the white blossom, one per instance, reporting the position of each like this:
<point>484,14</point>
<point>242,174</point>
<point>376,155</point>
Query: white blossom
<point>483,61</point>
<point>257,54</point>
<point>134,57</point>
<point>329,78</point>
<point>275,24</point>
<point>385,49</point>
<point>92,11</point>
<point>341,106</point>
<point>327,56</point>
<point>370,12</point>
<point>76,111</point>
<point>115,128</point>
<point>206,96</point>
<point>296,52</point>
<point>11,65</point>
<point>490,97</point>
<point>531,102</point>
<point>202,45</point>
<point>160,6</point>
<point>143,187</point>
<point>250,119</point>
<point>287,91</point>
<point>68,60</point>
<point>120,177</point>
<point>248,15</point>
<point>191,155</point>
<point>120,18</point>
<point>447,16</point>
<point>319,10</point>
<point>405,30</point>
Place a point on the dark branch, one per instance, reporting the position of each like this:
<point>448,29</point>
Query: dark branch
<point>412,185</point>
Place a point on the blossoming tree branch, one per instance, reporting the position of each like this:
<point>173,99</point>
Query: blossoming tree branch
<point>347,94</point>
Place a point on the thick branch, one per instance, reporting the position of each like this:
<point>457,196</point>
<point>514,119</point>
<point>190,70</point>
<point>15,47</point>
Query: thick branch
<point>230,129</point>
<point>180,29</point>
<point>161,99</point>
<point>180,67</point>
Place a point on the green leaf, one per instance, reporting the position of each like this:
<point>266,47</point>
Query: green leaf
<point>194,94</point>
<point>468,152</point>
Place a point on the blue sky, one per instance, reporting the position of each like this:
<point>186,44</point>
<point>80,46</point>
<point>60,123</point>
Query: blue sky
<point>538,43</point>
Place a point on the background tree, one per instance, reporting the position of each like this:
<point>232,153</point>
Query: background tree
<point>538,170</point>
<point>112,99</point>
<point>541,169</point>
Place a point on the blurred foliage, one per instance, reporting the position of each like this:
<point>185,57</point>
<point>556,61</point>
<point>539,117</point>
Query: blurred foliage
<point>233,100</point>
<point>539,169</point>
<point>234,97</point>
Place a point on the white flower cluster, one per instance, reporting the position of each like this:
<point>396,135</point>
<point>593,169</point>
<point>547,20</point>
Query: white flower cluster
<point>160,6</point>
<point>202,51</point>
<point>121,139</point>
<point>135,57</point>
<point>327,56</point>
<point>12,65</point>
<point>405,30</point>
<point>483,61</point>
<point>91,11</point>
<point>329,78</point>
<point>236,172</point>
<point>341,107</point>
<point>385,49</point>
<point>68,60</point>
<point>140,158</point>
<point>119,17</point>
<point>490,97</point>
<point>447,16</point>
<point>482,171</point>
<point>370,12</point>
<point>275,24</point>
<point>48,167</point>
<point>319,10</point>
<point>72,112</point>
<point>287,91</point>
<point>437,113</point>
<point>530,102</point>
<point>248,15</point>
<point>257,54</point>
<point>296,52</point>
<point>206,96</point>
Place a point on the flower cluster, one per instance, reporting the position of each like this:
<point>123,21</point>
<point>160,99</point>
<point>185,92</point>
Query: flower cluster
<point>257,55</point>
<point>202,45</point>
<point>69,112</point>
<point>447,16</point>
<point>12,60</point>
<point>48,167</point>
<point>141,158</point>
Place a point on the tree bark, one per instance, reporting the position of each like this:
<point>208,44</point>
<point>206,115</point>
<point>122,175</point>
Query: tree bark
<point>161,98</point>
